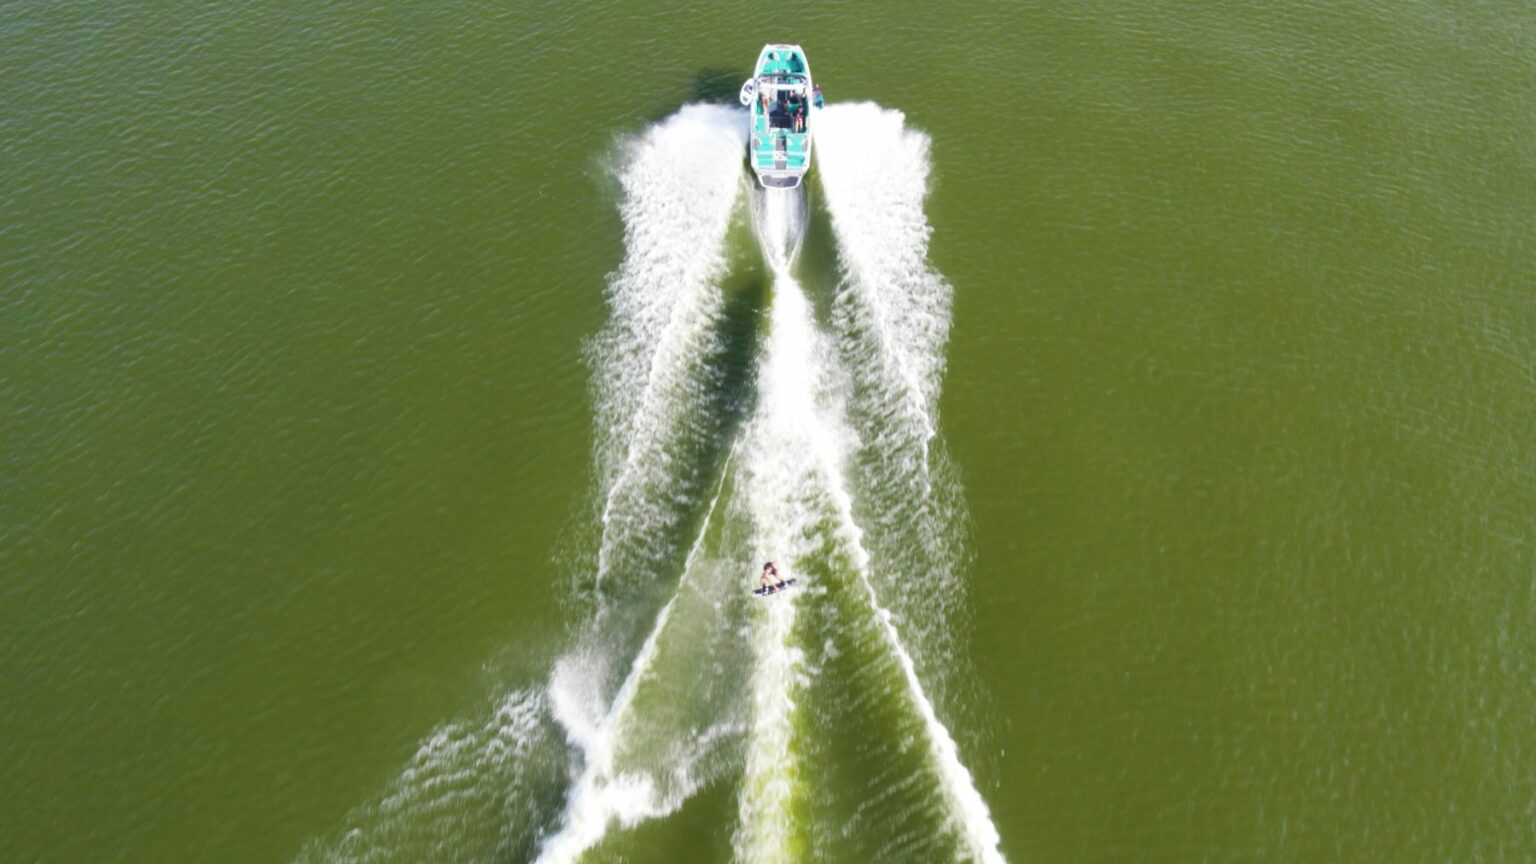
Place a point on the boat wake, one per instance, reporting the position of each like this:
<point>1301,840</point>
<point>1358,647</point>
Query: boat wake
<point>892,316</point>
<point>779,221</point>
<point>793,449</point>
<point>470,791</point>
<point>728,435</point>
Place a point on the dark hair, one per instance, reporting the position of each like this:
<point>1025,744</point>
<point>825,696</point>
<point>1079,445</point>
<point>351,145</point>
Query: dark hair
<point>768,566</point>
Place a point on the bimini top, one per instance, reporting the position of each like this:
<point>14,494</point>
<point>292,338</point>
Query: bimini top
<point>780,94</point>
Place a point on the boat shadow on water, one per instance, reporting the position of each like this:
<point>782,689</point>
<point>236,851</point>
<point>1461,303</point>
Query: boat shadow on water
<point>716,85</point>
<point>710,86</point>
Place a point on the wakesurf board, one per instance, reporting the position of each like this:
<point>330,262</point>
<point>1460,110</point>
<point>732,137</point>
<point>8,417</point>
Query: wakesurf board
<point>772,589</point>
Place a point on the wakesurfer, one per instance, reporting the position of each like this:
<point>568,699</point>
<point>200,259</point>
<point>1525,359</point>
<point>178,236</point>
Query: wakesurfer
<point>774,584</point>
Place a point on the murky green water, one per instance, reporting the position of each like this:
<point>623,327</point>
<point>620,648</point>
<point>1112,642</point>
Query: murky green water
<point>296,449</point>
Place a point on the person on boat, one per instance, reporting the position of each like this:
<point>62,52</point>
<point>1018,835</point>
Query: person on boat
<point>773,584</point>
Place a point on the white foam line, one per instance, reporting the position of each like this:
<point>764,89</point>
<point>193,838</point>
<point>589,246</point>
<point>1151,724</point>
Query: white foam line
<point>966,806</point>
<point>779,221</point>
<point>681,180</point>
<point>785,429</point>
<point>763,834</point>
<point>600,796</point>
<point>874,172</point>
<point>795,443</point>
<point>460,782</point>
<point>975,820</point>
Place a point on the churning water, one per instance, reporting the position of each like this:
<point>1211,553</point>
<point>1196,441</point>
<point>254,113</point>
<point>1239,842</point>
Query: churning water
<point>823,456</point>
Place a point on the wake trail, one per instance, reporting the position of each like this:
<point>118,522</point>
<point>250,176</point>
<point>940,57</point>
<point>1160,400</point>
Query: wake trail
<point>874,172</point>
<point>891,319</point>
<point>655,382</point>
<point>779,221</point>
<point>658,368</point>
<point>681,181</point>
<point>791,452</point>
<point>800,508</point>
<point>605,792</point>
<point>470,791</point>
<point>477,789</point>
<point>972,817</point>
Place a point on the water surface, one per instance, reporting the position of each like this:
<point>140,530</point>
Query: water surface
<point>303,459</point>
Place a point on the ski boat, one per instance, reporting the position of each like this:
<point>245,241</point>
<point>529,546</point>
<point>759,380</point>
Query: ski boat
<point>781,96</point>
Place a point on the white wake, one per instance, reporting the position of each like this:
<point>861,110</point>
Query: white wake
<point>474,782</point>
<point>839,417</point>
<point>792,451</point>
<point>468,791</point>
<point>892,319</point>
<point>611,790</point>
<point>682,181</point>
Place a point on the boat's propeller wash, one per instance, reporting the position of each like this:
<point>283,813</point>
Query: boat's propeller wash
<point>737,424</point>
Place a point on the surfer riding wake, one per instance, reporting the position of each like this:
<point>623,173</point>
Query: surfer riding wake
<point>773,584</point>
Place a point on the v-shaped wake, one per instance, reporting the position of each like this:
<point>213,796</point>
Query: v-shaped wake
<point>825,457</point>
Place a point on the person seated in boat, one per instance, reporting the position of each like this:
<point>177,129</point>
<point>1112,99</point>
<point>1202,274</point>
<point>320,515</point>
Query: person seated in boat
<point>791,112</point>
<point>771,584</point>
<point>779,117</point>
<point>800,115</point>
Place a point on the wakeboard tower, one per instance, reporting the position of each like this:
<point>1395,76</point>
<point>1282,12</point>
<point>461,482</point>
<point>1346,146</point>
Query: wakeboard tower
<point>781,97</point>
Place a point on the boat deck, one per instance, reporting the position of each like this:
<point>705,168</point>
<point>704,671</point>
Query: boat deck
<point>778,149</point>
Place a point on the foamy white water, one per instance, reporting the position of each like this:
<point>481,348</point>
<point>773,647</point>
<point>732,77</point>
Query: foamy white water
<point>971,816</point>
<point>874,171</point>
<point>681,183</point>
<point>791,455</point>
<point>607,792</point>
<point>779,220</point>
<point>892,319</point>
<point>682,180</point>
<point>794,465</point>
<point>475,778</point>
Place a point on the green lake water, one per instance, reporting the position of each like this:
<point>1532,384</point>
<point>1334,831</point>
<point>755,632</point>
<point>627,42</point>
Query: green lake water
<point>337,501</point>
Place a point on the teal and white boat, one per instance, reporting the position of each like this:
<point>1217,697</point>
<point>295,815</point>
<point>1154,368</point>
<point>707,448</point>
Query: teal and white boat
<point>781,96</point>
